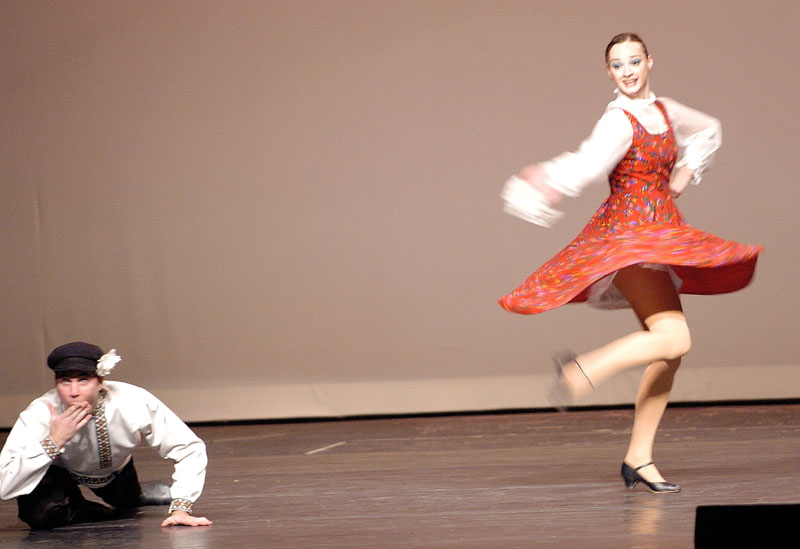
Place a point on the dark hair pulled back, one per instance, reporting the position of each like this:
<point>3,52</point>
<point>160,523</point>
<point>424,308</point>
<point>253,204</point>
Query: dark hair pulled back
<point>625,37</point>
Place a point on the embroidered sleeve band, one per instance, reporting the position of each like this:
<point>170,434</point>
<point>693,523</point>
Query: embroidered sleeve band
<point>180,504</point>
<point>50,447</point>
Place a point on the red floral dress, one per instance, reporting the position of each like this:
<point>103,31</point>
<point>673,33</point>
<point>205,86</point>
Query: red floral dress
<point>638,223</point>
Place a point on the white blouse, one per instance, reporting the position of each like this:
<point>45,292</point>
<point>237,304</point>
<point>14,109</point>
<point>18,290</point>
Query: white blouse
<point>698,135</point>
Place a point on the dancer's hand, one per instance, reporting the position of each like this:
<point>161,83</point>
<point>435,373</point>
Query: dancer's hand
<point>536,177</point>
<point>680,180</point>
<point>182,518</point>
<point>64,426</point>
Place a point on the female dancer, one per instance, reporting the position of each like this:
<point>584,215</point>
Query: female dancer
<point>637,251</point>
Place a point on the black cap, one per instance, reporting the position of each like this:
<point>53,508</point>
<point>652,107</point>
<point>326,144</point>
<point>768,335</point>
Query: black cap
<point>75,358</point>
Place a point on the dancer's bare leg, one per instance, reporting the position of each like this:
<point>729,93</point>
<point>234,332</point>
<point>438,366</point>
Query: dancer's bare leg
<point>651,401</point>
<point>664,340</point>
<point>665,336</point>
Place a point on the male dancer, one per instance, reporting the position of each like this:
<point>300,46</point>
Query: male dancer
<point>84,432</point>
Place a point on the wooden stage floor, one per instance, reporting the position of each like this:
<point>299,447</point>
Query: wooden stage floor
<point>513,480</point>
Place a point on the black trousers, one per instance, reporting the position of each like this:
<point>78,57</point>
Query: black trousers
<point>57,499</point>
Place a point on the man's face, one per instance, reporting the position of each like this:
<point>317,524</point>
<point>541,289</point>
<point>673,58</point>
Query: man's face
<point>81,389</point>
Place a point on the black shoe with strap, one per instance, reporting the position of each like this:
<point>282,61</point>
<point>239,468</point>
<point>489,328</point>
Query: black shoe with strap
<point>632,477</point>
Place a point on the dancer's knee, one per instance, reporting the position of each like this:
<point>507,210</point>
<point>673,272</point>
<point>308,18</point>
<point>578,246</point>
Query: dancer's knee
<point>678,339</point>
<point>681,345</point>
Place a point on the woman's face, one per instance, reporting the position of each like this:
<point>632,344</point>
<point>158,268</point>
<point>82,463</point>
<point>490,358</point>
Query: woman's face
<point>629,68</point>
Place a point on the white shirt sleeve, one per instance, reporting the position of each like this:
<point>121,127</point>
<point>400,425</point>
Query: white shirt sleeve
<point>698,135</point>
<point>172,439</point>
<point>596,157</point>
<point>23,461</point>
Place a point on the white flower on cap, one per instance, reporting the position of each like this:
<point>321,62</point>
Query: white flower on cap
<point>107,362</point>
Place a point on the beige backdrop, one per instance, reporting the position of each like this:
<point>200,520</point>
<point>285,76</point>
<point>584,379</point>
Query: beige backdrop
<point>290,208</point>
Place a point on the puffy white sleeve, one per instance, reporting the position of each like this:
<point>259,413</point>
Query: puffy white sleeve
<point>698,135</point>
<point>172,439</point>
<point>596,157</point>
<point>24,461</point>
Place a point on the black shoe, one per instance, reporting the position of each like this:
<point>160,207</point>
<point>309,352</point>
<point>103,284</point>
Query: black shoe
<point>155,493</point>
<point>631,477</point>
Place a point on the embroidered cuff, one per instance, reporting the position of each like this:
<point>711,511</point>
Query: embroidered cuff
<point>180,504</point>
<point>50,447</point>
